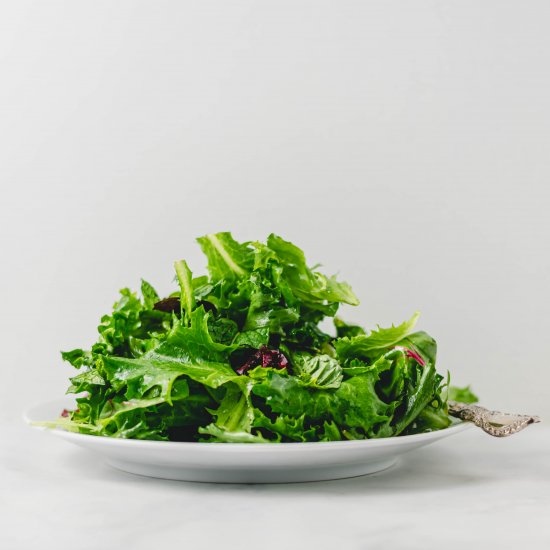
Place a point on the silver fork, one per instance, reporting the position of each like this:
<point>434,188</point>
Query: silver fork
<point>495,423</point>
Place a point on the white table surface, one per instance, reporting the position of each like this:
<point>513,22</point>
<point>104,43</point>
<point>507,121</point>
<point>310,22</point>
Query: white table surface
<point>470,489</point>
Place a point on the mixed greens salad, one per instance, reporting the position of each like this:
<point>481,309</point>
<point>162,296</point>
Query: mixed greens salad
<point>239,356</point>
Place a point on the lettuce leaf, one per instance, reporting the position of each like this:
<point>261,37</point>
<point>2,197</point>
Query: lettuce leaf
<point>170,368</point>
<point>227,259</point>
<point>463,395</point>
<point>369,345</point>
<point>318,371</point>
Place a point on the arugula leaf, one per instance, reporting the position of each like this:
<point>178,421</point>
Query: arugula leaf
<point>227,259</point>
<point>252,338</point>
<point>130,331</point>
<point>77,357</point>
<point>418,393</point>
<point>235,412</point>
<point>239,355</point>
<point>354,405</point>
<point>285,427</point>
<point>309,286</point>
<point>192,344</point>
<point>185,279</point>
<point>344,329</point>
<point>84,380</point>
<point>234,419</point>
<point>355,367</point>
<point>330,432</point>
<point>188,351</point>
<point>222,435</point>
<point>150,296</point>
<point>369,345</point>
<point>142,377</point>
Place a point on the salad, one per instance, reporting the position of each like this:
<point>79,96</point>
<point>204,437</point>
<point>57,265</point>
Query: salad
<point>238,355</point>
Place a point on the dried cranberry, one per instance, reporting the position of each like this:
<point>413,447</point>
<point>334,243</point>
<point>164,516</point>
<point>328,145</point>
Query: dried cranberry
<point>172,304</point>
<point>168,305</point>
<point>265,358</point>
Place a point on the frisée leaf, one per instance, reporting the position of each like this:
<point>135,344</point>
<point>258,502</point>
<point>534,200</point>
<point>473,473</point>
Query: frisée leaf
<point>240,356</point>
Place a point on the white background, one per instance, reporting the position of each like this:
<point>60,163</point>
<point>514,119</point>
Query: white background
<point>402,144</point>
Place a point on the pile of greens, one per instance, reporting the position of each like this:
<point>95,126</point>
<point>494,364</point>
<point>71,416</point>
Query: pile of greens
<point>238,356</point>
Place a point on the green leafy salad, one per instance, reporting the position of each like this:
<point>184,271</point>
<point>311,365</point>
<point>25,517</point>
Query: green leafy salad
<point>239,356</point>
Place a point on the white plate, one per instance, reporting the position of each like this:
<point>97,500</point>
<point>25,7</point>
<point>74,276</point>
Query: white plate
<point>242,462</point>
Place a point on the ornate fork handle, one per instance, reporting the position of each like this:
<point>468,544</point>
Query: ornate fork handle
<point>494,423</point>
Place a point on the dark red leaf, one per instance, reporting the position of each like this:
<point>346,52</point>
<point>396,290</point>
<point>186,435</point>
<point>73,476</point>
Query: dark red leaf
<point>413,354</point>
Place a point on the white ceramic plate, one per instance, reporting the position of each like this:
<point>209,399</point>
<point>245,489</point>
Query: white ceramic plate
<point>241,462</point>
